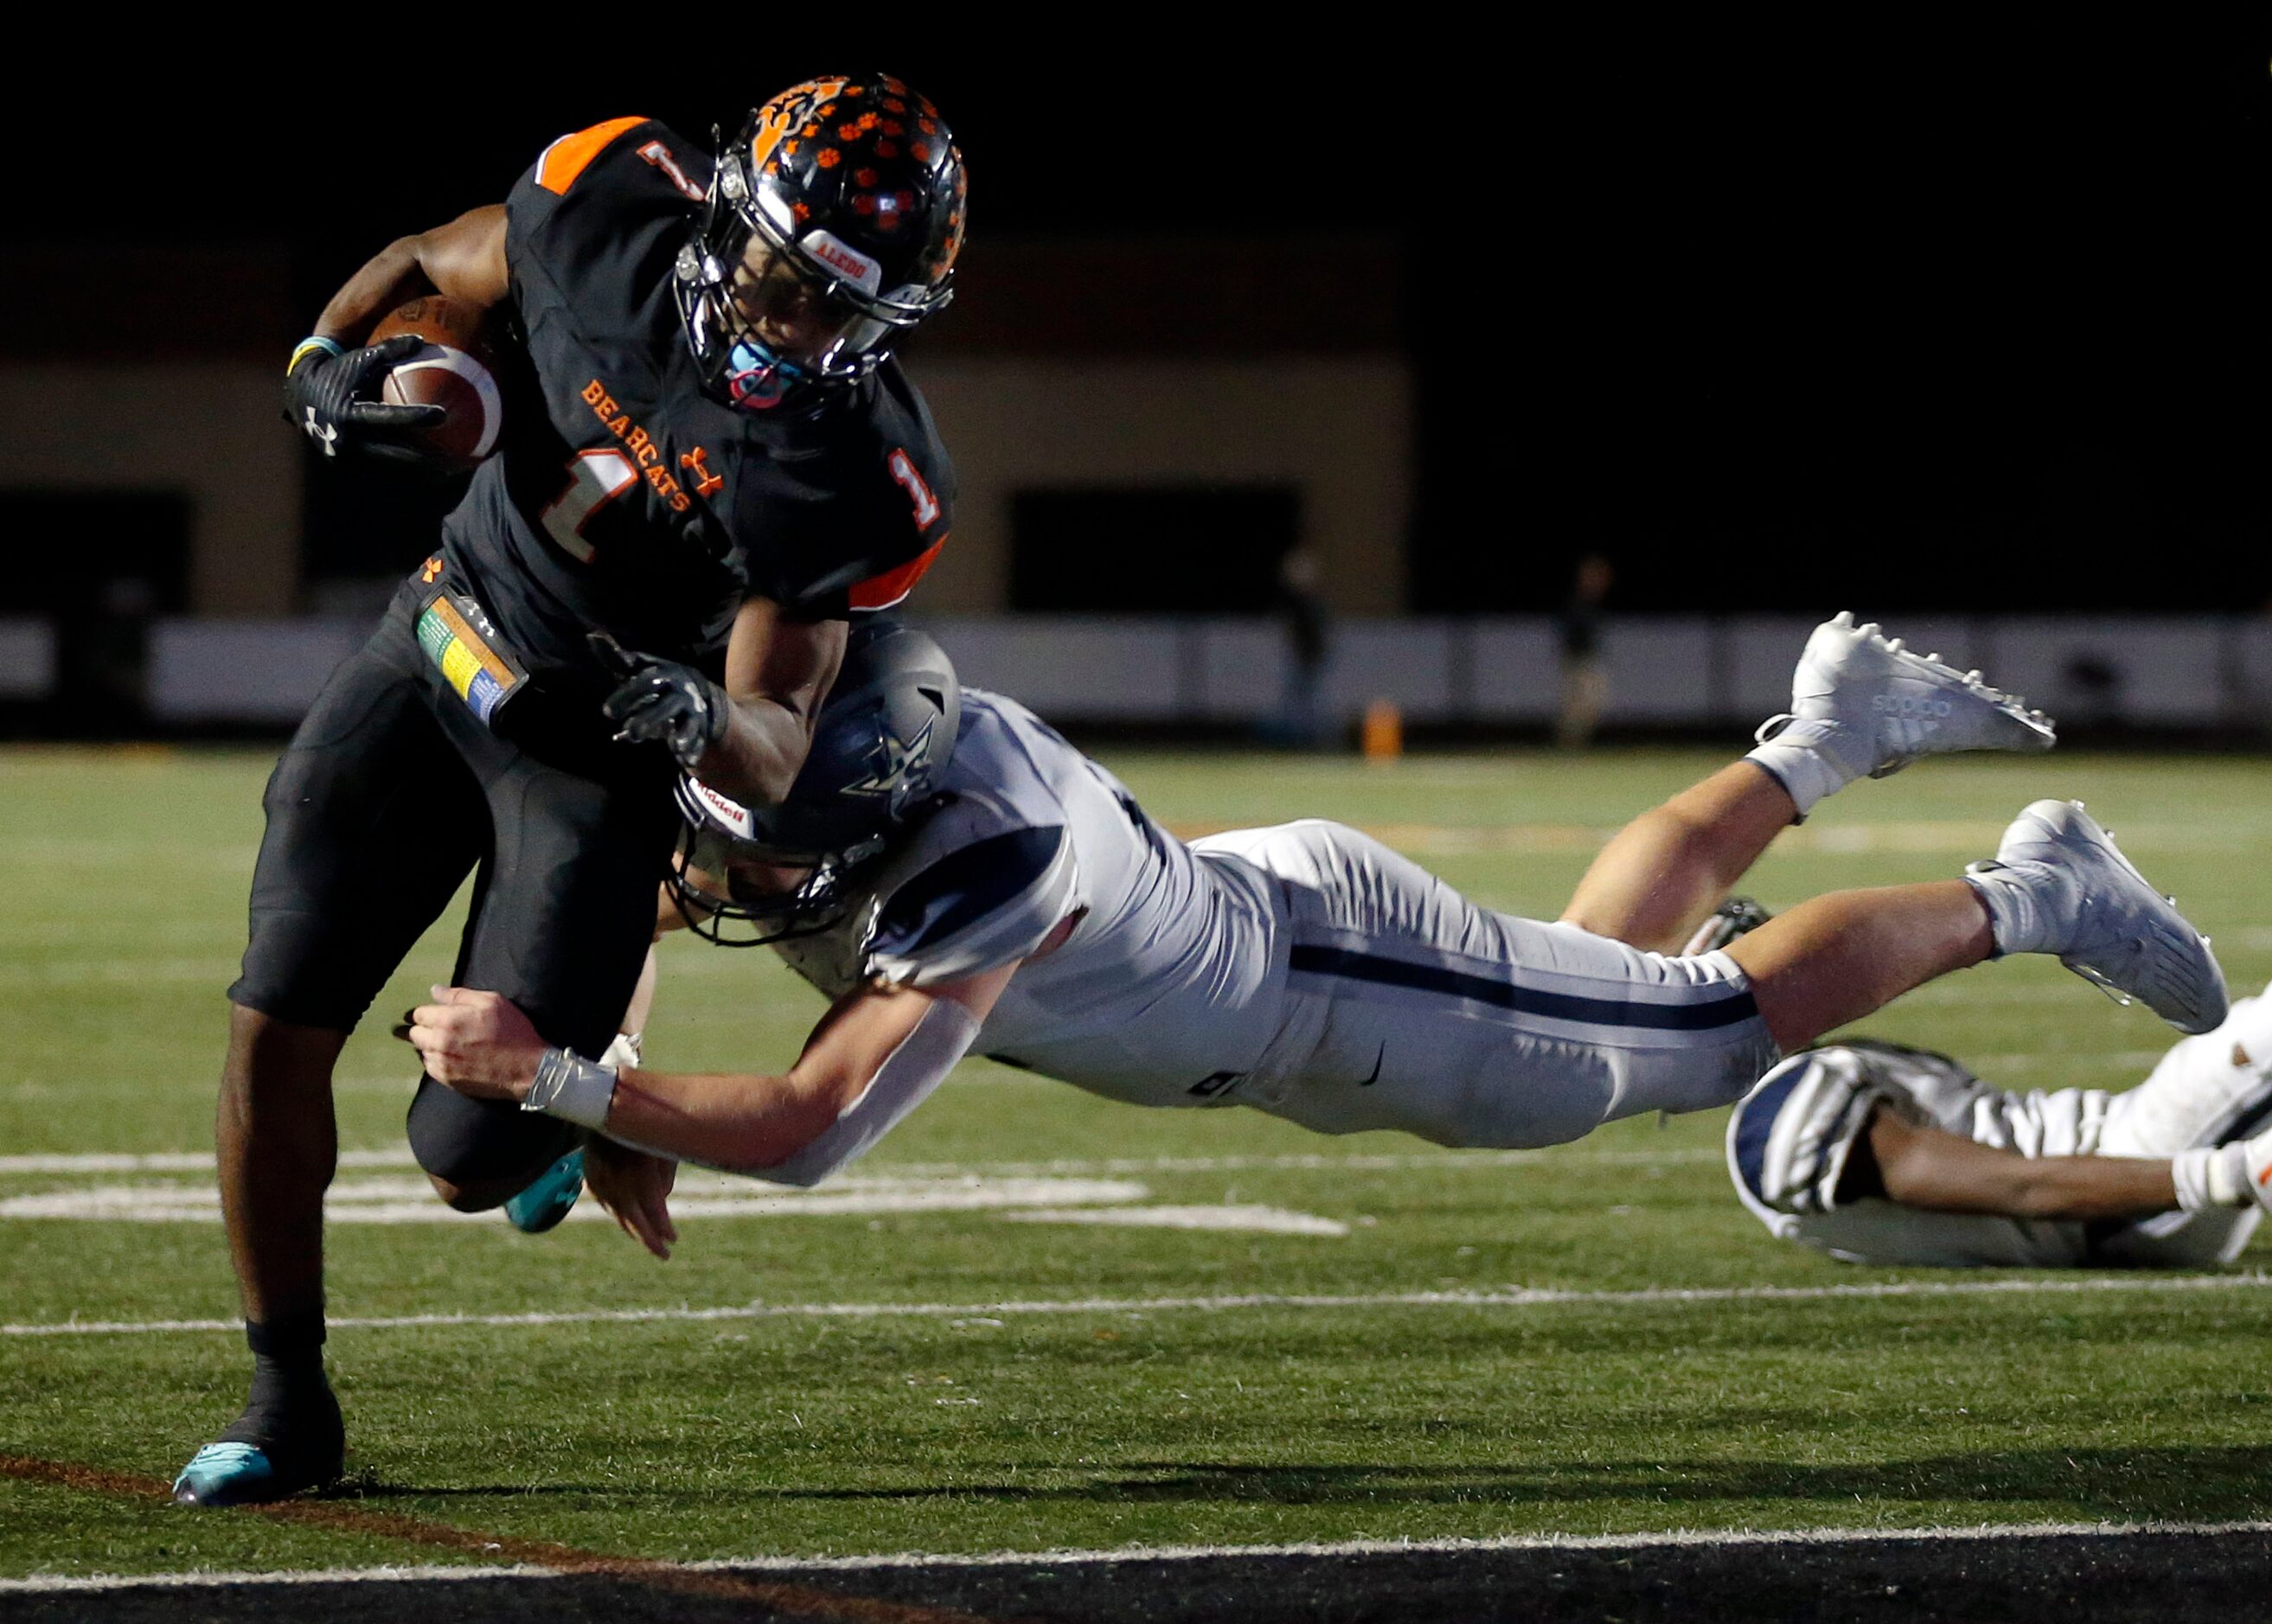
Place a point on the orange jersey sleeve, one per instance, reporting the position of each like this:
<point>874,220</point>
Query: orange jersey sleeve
<point>881,591</point>
<point>567,159</point>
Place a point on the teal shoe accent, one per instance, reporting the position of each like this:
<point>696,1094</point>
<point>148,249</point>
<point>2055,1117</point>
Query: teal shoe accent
<point>548,1198</point>
<point>227,1474</point>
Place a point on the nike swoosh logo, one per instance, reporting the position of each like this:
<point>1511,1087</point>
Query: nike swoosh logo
<point>1369,1082</point>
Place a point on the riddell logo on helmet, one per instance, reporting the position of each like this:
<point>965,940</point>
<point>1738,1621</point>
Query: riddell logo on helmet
<point>732,813</point>
<point>845,260</point>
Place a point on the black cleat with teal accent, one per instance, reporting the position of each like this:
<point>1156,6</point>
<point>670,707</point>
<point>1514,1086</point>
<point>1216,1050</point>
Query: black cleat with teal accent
<point>229,1474</point>
<point>550,1198</point>
<point>272,1451</point>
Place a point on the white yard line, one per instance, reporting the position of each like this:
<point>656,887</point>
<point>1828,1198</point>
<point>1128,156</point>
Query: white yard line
<point>701,1193</point>
<point>123,971</point>
<point>1927,836</point>
<point>1511,1297</point>
<point>2140,1061</point>
<point>1668,1540</point>
<point>1306,1161</point>
<point>1259,1220</point>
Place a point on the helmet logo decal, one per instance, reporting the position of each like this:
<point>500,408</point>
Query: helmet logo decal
<point>775,118</point>
<point>888,763</point>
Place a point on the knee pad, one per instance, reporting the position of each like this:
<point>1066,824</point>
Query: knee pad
<point>482,1142</point>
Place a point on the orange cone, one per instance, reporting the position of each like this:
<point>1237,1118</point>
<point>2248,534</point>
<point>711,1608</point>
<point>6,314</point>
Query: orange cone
<point>1382,738</point>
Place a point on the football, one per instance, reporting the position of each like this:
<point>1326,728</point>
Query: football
<point>453,371</point>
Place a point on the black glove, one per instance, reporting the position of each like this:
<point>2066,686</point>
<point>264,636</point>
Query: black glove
<point>663,702</point>
<point>331,398</point>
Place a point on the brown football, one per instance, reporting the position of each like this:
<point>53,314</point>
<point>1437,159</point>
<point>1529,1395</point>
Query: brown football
<point>452,371</point>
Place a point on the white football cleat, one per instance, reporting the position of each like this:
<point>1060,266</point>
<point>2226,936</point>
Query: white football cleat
<point>2081,899</point>
<point>1875,707</point>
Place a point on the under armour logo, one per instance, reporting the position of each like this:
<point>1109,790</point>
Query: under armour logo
<point>322,434</point>
<point>696,463</point>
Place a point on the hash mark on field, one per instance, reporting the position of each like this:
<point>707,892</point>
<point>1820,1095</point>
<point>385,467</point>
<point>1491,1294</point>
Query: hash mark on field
<point>1512,1296</point>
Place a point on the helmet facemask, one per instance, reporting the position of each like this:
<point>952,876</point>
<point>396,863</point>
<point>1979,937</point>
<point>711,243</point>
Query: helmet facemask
<point>709,886</point>
<point>722,846</point>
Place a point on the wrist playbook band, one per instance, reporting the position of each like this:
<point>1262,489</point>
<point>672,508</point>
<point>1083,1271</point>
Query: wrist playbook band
<point>571,1087</point>
<point>308,346</point>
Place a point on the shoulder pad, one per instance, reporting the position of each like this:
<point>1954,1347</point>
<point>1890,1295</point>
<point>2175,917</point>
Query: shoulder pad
<point>1789,1137</point>
<point>973,897</point>
<point>560,163</point>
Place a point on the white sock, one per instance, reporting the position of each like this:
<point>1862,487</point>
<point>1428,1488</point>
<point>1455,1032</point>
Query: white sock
<point>2023,905</point>
<point>1810,760</point>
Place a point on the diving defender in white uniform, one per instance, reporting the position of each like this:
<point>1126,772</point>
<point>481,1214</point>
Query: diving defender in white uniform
<point>1877,1153</point>
<point>957,879</point>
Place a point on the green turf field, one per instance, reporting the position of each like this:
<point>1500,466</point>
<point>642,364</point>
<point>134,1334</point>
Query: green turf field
<point>970,1347</point>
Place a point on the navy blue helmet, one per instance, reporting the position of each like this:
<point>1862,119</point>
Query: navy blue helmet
<point>878,753</point>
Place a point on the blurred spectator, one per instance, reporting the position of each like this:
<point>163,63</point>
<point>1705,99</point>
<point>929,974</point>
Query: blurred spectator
<point>1301,723</point>
<point>2093,691</point>
<point>1585,686</point>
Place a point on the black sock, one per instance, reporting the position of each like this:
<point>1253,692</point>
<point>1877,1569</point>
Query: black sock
<point>290,1415</point>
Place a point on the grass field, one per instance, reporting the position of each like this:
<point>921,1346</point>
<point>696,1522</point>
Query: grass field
<point>983,1343</point>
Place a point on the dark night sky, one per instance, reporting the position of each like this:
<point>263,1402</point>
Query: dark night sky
<point>1939,317</point>
<point>1949,323</point>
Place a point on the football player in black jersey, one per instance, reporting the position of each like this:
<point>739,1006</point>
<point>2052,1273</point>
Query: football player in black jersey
<point>708,459</point>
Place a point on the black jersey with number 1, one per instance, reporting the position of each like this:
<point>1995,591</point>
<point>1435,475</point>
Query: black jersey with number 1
<point>632,501</point>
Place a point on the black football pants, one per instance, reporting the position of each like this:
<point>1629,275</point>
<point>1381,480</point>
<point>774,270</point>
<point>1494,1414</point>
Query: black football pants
<point>389,793</point>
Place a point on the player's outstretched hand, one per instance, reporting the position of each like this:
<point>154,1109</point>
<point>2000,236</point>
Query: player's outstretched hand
<point>663,702</point>
<point>332,400</point>
<point>478,1043</point>
<point>635,1188</point>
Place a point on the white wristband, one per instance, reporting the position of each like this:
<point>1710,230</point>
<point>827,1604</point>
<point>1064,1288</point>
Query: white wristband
<point>2215,1176</point>
<point>571,1087</point>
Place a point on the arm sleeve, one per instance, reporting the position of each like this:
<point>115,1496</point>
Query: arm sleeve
<point>903,1081</point>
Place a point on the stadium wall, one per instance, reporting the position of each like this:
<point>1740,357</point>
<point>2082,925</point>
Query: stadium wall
<point>2197,675</point>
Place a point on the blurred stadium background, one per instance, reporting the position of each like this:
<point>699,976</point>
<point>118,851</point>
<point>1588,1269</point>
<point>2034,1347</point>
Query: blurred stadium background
<point>1963,332</point>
